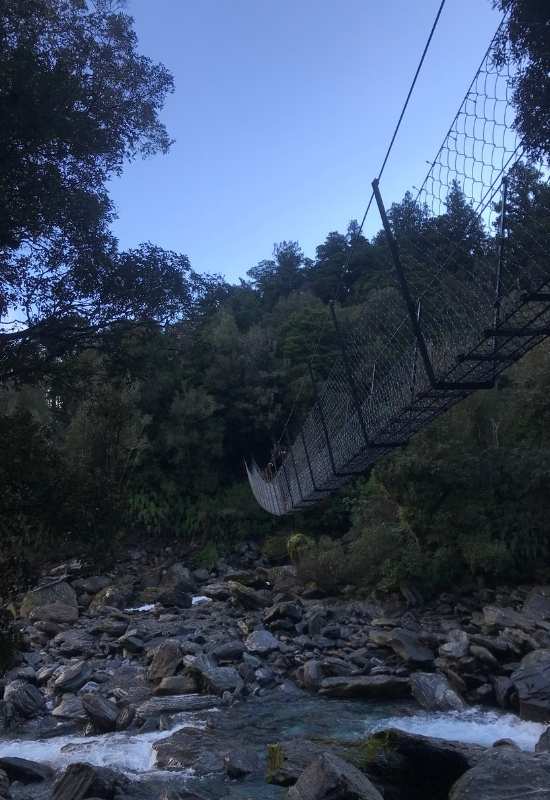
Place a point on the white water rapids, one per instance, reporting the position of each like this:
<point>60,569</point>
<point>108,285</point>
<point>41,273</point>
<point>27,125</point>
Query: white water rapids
<point>134,754</point>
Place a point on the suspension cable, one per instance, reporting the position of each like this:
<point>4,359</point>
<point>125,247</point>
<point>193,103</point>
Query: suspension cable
<point>353,243</point>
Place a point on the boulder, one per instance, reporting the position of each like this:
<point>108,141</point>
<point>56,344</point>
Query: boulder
<point>216,591</point>
<point>286,610</point>
<point>21,769</point>
<point>54,612</point>
<point>332,778</point>
<point>176,704</point>
<point>408,646</point>
<point>228,651</point>
<point>401,761</point>
<point>457,646</point>
<point>262,642</point>
<point>25,698</point>
<point>240,763</point>
<point>537,603</point>
<point>370,687</point>
<point>55,592</point>
<point>190,748</point>
<point>532,682</point>
<point>180,576</point>
<point>4,783</point>
<point>71,708</point>
<point>167,658</point>
<point>177,684</point>
<point>92,585</point>
<point>73,678</point>
<point>495,617</point>
<point>81,781</point>
<point>75,643</point>
<point>543,744</point>
<point>434,692</point>
<point>505,772</point>
<point>287,760</point>
<point>215,679</point>
<point>110,597</point>
<point>312,674</point>
<point>175,596</point>
<point>246,597</point>
<point>102,712</point>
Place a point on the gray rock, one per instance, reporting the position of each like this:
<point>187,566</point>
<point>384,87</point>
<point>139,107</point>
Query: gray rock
<point>240,763</point>
<point>537,603</point>
<point>495,617</point>
<point>166,660</point>
<point>75,643</point>
<point>215,679</point>
<point>70,707</point>
<point>331,778</point>
<point>55,592</point>
<point>25,698</point>
<point>503,688</point>
<point>216,591</point>
<point>262,642</point>
<point>484,655</point>
<point>176,704</point>
<point>505,772</point>
<point>81,781</point>
<point>532,682</point>
<point>431,765</point>
<point>176,684</point>
<point>110,597</point>
<point>434,692</point>
<point>370,687</point>
<point>102,712</point>
<point>286,610</point>
<point>408,646</point>
<point>246,597</point>
<point>54,612</point>
<point>4,783</point>
<point>21,769</point>
<point>110,626</point>
<point>457,646</point>
<point>228,651</point>
<point>73,678</point>
<point>180,576</point>
<point>312,674</point>
<point>92,585</point>
<point>543,744</point>
<point>200,750</point>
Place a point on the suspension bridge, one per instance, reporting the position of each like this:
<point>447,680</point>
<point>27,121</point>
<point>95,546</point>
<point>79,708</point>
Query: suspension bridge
<point>457,315</point>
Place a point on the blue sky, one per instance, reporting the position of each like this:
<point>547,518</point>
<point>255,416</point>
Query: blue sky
<point>282,113</point>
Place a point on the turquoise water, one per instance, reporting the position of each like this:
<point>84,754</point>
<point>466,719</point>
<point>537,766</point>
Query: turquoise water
<point>262,721</point>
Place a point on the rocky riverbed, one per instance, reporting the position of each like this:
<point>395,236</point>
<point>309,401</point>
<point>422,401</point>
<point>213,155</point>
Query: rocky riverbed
<point>158,681</point>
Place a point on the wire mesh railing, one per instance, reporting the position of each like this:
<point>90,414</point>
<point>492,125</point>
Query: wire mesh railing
<point>471,295</point>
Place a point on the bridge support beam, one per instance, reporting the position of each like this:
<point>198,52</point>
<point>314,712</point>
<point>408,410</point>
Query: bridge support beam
<point>414,318</point>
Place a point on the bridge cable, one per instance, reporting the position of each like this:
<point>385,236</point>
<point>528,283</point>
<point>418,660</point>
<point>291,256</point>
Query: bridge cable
<point>351,251</point>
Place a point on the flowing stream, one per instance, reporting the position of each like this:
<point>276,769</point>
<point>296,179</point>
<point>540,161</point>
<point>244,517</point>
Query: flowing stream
<point>269,719</point>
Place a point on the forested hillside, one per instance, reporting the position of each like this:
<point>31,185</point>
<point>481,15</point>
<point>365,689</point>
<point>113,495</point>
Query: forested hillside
<point>133,388</point>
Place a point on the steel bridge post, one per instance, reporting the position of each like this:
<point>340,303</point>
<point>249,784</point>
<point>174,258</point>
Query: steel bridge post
<point>349,374</point>
<point>323,420</point>
<point>415,322</point>
<point>500,264</point>
<point>403,285</point>
<point>298,481</point>
<point>415,357</point>
<point>310,468</point>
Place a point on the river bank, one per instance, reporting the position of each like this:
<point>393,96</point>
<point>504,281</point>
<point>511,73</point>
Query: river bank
<point>235,681</point>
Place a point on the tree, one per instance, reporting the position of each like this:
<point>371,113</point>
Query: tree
<point>279,276</point>
<point>524,38</point>
<point>76,100</point>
